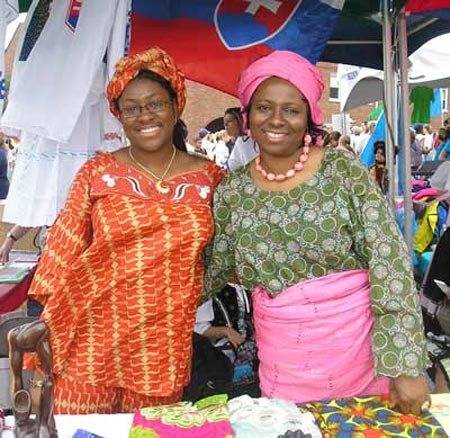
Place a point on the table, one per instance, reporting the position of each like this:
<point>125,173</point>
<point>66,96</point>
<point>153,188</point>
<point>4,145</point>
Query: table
<point>12,296</point>
<point>118,425</point>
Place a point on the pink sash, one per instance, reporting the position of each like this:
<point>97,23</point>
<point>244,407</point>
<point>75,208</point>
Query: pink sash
<point>314,339</point>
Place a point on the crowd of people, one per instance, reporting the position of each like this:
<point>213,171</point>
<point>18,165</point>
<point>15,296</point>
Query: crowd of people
<point>285,208</point>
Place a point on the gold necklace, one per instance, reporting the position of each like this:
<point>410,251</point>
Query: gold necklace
<point>162,188</point>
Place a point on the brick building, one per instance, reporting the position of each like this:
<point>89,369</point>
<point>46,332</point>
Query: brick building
<point>205,104</point>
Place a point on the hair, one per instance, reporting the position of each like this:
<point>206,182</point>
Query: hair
<point>315,131</point>
<point>333,135</point>
<point>379,144</point>
<point>179,130</point>
<point>345,139</point>
<point>443,134</point>
<point>235,112</point>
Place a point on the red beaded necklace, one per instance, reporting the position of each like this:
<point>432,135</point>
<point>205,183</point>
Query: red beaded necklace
<point>298,166</point>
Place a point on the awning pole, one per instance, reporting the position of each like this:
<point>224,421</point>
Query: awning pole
<point>405,122</point>
<point>389,98</point>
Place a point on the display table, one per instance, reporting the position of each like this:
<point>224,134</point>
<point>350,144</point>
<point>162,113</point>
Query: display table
<point>13,295</point>
<point>118,425</point>
<point>107,426</point>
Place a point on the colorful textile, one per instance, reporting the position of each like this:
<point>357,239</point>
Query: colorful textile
<point>291,67</point>
<point>371,417</point>
<point>155,60</point>
<point>121,276</point>
<point>337,221</point>
<point>78,398</point>
<point>207,418</point>
<point>426,229</point>
<point>265,418</point>
<point>317,346</point>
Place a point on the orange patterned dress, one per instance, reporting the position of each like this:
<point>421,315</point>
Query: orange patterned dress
<point>122,274</point>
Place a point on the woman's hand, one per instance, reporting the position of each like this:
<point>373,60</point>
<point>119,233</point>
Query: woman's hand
<point>5,249</point>
<point>409,394</point>
<point>234,337</point>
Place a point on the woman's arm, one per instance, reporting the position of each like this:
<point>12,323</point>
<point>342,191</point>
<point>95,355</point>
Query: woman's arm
<point>221,266</point>
<point>70,235</point>
<point>398,335</point>
<point>398,338</point>
<point>14,234</point>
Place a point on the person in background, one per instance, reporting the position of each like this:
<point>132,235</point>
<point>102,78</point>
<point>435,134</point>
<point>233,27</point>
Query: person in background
<point>428,143</point>
<point>444,152</point>
<point>443,139</point>
<point>331,139</point>
<point>233,123</point>
<point>122,271</point>
<point>368,129</point>
<point>245,150</point>
<point>203,326</point>
<point>378,171</point>
<point>221,149</point>
<point>416,150</point>
<point>207,143</point>
<point>345,142</point>
<point>4,181</point>
<point>355,138</point>
<point>306,229</point>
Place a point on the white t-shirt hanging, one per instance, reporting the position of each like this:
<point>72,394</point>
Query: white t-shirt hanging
<point>63,62</point>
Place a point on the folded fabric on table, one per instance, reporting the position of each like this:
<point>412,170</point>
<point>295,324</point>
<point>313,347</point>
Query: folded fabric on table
<point>371,416</point>
<point>269,418</point>
<point>207,418</point>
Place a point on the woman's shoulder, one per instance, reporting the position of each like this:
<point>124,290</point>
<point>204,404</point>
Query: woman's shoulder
<point>97,163</point>
<point>193,163</point>
<point>342,158</point>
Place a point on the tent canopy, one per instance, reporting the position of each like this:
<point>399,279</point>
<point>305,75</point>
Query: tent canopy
<point>358,36</point>
<point>428,66</point>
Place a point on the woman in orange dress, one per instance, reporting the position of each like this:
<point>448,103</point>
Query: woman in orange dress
<point>122,272</point>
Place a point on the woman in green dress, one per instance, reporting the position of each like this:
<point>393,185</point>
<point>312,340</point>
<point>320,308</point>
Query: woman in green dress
<point>308,231</point>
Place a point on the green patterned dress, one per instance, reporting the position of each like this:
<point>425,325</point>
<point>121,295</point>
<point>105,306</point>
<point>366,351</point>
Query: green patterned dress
<point>337,221</point>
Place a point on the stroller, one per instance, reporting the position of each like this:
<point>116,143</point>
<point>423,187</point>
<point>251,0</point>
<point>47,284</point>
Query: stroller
<point>220,368</point>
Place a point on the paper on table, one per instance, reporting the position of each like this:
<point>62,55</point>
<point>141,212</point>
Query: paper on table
<point>14,272</point>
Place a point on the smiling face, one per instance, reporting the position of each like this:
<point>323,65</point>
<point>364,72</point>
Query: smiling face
<point>148,115</point>
<point>278,117</point>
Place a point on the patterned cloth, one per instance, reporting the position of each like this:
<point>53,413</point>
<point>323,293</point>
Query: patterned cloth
<point>121,276</point>
<point>269,418</point>
<point>301,357</point>
<point>370,417</point>
<point>207,418</point>
<point>155,60</point>
<point>337,221</point>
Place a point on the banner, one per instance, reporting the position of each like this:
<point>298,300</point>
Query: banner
<point>212,41</point>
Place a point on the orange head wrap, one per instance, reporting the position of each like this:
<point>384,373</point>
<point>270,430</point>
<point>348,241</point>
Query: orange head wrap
<point>155,60</point>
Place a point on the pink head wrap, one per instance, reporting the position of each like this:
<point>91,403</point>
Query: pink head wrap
<point>291,67</point>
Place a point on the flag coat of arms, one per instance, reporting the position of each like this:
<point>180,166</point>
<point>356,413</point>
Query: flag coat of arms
<point>212,41</point>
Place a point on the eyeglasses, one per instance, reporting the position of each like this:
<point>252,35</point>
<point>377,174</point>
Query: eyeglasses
<point>155,107</point>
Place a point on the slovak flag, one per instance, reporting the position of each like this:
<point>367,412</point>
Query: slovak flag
<point>212,41</point>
